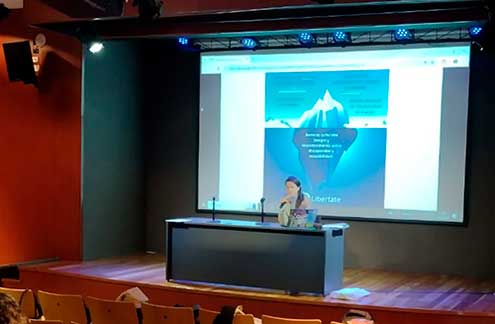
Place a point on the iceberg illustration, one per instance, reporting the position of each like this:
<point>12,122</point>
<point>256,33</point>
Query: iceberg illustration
<point>322,138</point>
<point>326,113</point>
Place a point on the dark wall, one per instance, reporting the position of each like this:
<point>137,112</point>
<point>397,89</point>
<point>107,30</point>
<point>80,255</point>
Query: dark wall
<point>171,120</point>
<point>171,170</point>
<point>112,167</point>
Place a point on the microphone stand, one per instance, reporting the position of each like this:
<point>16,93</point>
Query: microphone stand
<point>262,201</point>
<point>213,220</point>
<point>262,205</point>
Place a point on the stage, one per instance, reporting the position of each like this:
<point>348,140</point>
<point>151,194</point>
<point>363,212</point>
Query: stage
<point>408,298</point>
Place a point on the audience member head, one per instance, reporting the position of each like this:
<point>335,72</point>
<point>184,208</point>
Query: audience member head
<point>10,313</point>
<point>226,315</point>
<point>357,317</point>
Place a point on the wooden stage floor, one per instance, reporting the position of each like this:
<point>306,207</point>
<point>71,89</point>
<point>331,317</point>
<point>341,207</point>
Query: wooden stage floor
<point>418,297</point>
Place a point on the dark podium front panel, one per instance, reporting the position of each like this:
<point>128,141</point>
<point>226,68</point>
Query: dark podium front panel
<point>247,254</point>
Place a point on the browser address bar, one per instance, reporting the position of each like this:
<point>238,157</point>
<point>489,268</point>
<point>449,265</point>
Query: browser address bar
<point>278,67</point>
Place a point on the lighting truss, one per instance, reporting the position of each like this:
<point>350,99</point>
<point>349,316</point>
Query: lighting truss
<point>325,39</point>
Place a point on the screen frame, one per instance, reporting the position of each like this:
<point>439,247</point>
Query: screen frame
<point>467,161</point>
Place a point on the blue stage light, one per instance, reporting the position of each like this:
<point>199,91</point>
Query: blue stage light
<point>249,42</point>
<point>183,41</point>
<point>341,37</point>
<point>306,39</point>
<point>403,34</point>
<point>475,31</point>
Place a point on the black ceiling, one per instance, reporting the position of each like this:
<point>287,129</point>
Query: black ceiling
<point>269,20</point>
<point>87,8</point>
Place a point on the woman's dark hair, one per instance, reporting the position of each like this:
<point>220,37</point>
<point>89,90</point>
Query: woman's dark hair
<point>300,195</point>
<point>226,315</point>
<point>353,314</point>
<point>10,312</point>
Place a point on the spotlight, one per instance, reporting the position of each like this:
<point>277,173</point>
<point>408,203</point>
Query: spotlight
<point>186,44</point>
<point>341,37</point>
<point>403,35</point>
<point>306,39</point>
<point>183,41</point>
<point>96,47</point>
<point>475,31</point>
<point>249,43</point>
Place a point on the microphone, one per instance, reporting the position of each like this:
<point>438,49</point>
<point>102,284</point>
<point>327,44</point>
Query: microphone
<point>262,203</point>
<point>262,207</point>
<point>289,200</point>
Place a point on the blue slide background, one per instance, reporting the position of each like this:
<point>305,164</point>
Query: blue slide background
<point>362,93</point>
<point>358,180</point>
<point>354,175</point>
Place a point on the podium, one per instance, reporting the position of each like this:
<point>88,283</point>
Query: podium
<point>244,253</point>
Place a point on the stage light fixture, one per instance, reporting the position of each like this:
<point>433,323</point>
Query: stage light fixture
<point>306,39</point>
<point>475,31</point>
<point>187,44</point>
<point>249,42</point>
<point>183,41</point>
<point>403,35</point>
<point>149,10</point>
<point>96,47</point>
<point>4,11</point>
<point>341,37</point>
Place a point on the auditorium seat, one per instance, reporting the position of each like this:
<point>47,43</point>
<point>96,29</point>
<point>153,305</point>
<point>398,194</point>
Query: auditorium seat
<point>66,308</point>
<point>207,316</point>
<point>23,297</point>
<point>155,314</point>
<point>265,319</point>
<point>111,312</point>
<point>243,319</point>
